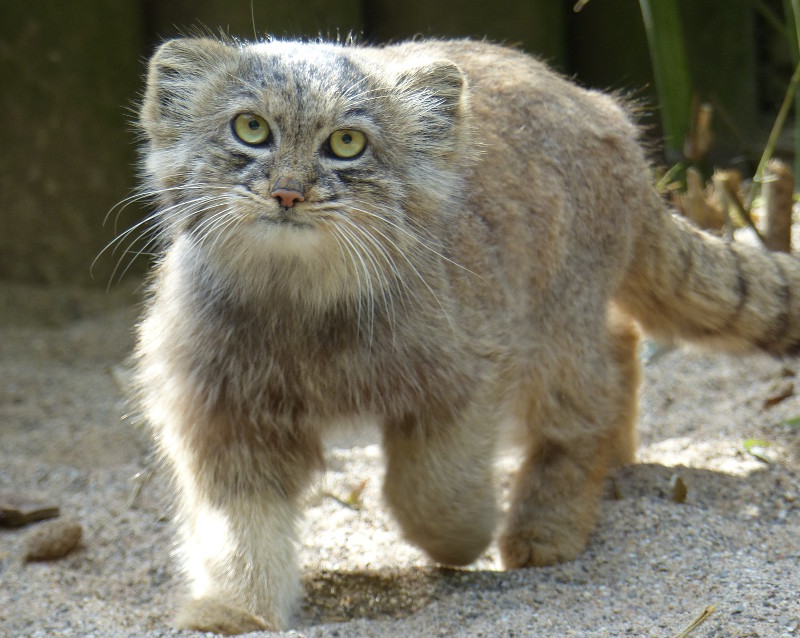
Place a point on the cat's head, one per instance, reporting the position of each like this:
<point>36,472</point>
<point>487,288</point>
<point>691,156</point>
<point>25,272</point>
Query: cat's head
<point>305,160</point>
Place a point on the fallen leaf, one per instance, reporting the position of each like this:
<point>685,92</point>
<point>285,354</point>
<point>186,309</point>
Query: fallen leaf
<point>678,489</point>
<point>17,510</point>
<point>354,498</point>
<point>792,423</point>
<point>758,449</point>
<point>780,391</point>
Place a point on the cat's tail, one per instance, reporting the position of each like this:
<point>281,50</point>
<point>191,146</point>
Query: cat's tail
<point>686,284</point>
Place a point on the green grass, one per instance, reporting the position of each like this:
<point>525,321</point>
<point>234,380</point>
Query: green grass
<point>670,70</point>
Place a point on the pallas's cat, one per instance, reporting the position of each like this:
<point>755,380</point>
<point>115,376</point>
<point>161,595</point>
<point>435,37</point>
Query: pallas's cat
<point>440,236</point>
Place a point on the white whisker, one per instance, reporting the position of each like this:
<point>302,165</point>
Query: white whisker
<point>419,241</point>
<point>350,251</point>
<point>414,269</point>
<point>152,228</point>
<point>382,281</point>
<point>397,274</point>
<point>385,286</point>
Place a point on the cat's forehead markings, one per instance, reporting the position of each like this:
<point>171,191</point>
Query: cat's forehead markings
<point>323,64</point>
<point>291,54</point>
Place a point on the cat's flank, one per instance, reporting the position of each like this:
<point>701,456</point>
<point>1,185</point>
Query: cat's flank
<point>438,236</point>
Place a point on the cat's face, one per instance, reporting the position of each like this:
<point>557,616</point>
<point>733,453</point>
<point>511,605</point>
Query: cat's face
<point>286,154</point>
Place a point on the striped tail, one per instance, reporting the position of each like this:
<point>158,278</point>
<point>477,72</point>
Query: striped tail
<point>686,284</point>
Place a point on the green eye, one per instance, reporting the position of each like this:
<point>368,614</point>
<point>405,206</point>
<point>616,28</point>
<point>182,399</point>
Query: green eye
<point>251,128</point>
<point>347,143</point>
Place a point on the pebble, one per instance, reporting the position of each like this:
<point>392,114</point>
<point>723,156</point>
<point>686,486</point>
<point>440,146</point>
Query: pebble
<point>53,539</point>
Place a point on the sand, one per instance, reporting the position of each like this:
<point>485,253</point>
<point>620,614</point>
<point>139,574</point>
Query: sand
<point>652,565</point>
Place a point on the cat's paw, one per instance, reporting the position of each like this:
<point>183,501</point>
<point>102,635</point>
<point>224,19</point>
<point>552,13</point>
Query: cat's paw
<point>529,547</point>
<point>219,616</point>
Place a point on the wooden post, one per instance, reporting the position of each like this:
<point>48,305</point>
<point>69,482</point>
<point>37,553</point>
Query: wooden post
<point>777,192</point>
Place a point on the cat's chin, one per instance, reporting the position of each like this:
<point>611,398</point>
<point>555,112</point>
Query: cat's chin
<point>277,237</point>
<point>300,265</point>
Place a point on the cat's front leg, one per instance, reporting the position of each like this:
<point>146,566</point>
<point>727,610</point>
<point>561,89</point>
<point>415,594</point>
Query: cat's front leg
<point>240,558</point>
<point>440,483</point>
<point>238,510</point>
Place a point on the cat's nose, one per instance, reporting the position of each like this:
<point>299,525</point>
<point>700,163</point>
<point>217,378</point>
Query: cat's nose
<point>286,197</point>
<point>288,192</point>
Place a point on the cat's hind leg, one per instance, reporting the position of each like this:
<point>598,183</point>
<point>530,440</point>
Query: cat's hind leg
<point>623,336</point>
<point>579,421</point>
<point>440,485</point>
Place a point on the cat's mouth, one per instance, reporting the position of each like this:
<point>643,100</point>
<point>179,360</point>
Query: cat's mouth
<point>284,221</point>
<point>269,214</point>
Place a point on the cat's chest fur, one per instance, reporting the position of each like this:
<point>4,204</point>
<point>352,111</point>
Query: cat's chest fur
<point>273,359</point>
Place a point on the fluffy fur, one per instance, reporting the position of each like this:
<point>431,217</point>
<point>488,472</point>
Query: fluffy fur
<point>481,260</point>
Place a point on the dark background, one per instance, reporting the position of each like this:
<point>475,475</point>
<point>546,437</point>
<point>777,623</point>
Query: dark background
<point>71,76</point>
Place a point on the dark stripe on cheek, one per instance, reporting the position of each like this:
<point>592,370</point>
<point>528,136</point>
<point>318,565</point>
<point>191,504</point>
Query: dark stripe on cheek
<point>355,176</point>
<point>241,160</point>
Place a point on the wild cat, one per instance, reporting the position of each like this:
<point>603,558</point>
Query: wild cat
<point>437,235</point>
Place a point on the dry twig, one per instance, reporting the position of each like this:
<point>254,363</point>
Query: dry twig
<point>701,618</point>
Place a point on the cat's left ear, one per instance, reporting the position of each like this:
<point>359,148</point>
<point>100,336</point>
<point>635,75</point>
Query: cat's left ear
<point>440,90</point>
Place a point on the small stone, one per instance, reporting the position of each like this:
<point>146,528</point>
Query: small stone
<point>17,510</point>
<point>53,539</point>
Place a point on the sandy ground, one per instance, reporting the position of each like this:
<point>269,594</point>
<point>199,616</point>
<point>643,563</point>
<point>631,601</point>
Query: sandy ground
<point>652,566</point>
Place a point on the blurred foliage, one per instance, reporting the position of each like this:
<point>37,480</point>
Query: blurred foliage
<point>671,69</point>
<point>687,121</point>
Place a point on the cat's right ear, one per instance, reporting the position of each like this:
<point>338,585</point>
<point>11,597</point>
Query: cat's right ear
<point>176,70</point>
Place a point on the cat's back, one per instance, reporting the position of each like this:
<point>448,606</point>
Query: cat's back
<point>513,88</point>
<point>555,164</point>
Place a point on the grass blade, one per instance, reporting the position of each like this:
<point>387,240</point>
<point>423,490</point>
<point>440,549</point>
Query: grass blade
<point>670,70</point>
